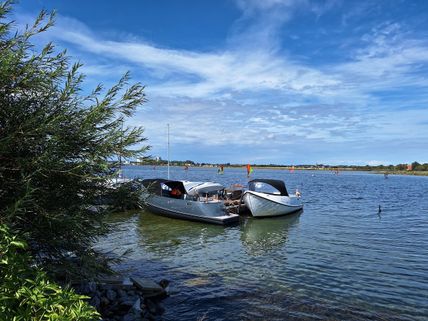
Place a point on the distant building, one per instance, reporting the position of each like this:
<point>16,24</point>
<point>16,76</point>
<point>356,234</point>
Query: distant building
<point>409,167</point>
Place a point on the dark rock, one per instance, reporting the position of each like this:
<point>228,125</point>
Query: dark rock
<point>121,293</point>
<point>127,287</point>
<point>151,306</point>
<point>153,317</point>
<point>111,295</point>
<point>95,301</point>
<point>87,288</point>
<point>148,287</point>
<point>110,311</point>
<point>131,317</point>
<point>111,280</point>
<point>160,309</point>
<point>125,306</point>
<point>135,312</point>
<point>92,287</point>
<point>127,302</point>
<point>139,292</point>
<point>104,301</point>
<point>137,306</point>
<point>106,287</point>
<point>146,314</point>
<point>127,299</point>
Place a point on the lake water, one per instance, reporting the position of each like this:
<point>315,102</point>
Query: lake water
<point>338,260</point>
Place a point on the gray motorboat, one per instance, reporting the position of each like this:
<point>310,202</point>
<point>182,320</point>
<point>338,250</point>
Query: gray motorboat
<point>195,201</point>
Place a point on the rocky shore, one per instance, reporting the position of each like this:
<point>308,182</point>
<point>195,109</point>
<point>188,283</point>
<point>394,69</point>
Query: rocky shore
<point>130,299</point>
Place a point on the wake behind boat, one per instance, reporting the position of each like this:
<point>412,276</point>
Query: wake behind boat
<point>276,202</point>
<point>195,201</point>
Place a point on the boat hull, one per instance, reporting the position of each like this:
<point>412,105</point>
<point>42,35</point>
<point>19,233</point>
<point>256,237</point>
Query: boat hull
<point>211,212</point>
<point>268,205</point>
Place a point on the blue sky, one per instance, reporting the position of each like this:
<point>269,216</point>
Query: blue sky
<point>272,81</point>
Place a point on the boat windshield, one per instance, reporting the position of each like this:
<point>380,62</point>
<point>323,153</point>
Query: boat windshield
<point>203,188</point>
<point>265,188</point>
<point>268,186</point>
<point>165,187</point>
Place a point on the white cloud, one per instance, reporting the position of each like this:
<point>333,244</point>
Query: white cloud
<point>199,74</point>
<point>389,59</point>
<point>376,162</point>
<point>250,92</point>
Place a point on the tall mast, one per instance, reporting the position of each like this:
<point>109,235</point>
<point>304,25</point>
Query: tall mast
<point>168,149</point>
<point>121,143</point>
<point>120,152</point>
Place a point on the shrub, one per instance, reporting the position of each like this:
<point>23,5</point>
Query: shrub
<point>126,196</point>
<point>26,293</point>
<point>57,149</point>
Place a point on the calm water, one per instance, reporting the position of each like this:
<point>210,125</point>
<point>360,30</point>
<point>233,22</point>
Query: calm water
<point>338,260</point>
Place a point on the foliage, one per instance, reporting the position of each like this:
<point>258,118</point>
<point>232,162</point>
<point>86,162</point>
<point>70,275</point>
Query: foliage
<point>26,293</point>
<point>125,196</point>
<point>57,148</point>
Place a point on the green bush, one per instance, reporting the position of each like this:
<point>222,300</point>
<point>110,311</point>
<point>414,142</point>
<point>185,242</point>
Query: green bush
<point>58,149</point>
<point>125,196</point>
<point>26,293</point>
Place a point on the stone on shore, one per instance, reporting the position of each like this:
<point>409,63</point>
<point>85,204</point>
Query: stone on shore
<point>148,287</point>
<point>137,306</point>
<point>111,295</point>
<point>95,301</point>
<point>132,299</point>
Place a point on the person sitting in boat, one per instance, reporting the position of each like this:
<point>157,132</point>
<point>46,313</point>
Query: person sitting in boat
<point>176,193</point>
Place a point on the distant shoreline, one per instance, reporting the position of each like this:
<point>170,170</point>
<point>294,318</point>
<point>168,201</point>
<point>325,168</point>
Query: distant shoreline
<point>331,169</point>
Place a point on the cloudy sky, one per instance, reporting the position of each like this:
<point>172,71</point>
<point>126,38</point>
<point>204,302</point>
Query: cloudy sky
<point>272,81</point>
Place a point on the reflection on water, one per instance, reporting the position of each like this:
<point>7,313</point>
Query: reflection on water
<point>165,236</point>
<point>262,235</point>
<point>337,260</point>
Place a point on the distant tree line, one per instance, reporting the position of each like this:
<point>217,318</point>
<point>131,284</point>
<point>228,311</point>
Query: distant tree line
<point>160,162</point>
<point>415,166</point>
